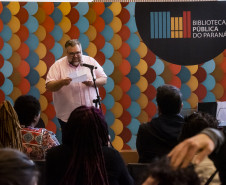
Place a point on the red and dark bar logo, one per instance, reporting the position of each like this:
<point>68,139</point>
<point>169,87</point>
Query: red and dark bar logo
<point>184,33</point>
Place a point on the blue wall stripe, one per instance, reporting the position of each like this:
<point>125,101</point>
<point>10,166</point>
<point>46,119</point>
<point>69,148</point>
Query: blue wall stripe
<point>152,25</point>
<point>160,25</point>
<point>164,24</point>
<point>156,25</point>
<point>168,24</point>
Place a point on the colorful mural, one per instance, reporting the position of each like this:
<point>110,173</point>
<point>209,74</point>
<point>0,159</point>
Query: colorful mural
<point>32,37</point>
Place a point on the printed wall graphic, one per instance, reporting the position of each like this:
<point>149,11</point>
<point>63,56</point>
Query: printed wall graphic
<point>32,38</point>
<point>184,33</point>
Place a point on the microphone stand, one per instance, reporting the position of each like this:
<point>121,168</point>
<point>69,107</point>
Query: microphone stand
<point>96,101</point>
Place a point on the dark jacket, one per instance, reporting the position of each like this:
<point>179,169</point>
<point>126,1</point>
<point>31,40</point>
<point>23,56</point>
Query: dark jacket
<point>158,137</point>
<point>58,158</point>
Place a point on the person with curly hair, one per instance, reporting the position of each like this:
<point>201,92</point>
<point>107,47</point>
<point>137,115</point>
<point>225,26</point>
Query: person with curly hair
<point>160,172</point>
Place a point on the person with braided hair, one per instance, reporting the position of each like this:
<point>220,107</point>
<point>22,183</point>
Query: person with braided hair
<point>86,156</point>
<point>10,130</point>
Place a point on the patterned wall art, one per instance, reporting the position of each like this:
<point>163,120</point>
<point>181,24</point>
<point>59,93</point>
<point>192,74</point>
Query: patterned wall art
<point>32,38</point>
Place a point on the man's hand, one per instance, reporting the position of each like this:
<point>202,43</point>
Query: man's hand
<point>184,153</point>
<point>88,83</point>
<point>66,81</point>
<point>58,84</point>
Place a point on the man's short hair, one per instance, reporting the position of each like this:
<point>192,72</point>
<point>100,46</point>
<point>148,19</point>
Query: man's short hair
<point>169,99</point>
<point>72,43</point>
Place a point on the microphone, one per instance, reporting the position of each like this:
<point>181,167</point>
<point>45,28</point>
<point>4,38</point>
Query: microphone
<point>89,66</point>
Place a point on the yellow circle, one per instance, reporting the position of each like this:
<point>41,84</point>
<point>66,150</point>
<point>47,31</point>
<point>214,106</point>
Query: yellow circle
<point>117,110</point>
<point>117,143</point>
<point>116,58</point>
<point>167,75</point>
<point>116,24</point>
<point>218,73</point>
<point>117,127</point>
<point>43,102</point>
<point>91,50</point>
<point>116,41</point>
<point>65,7</point>
<point>117,93</point>
<point>40,33</point>
<point>91,16</point>
<point>116,8</point>
<point>142,84</point>
<point>143,117</point>
<point>142,100</point>
<point>15,93</point>
<point>142,50</point>
<point>142,67</point>
<point>15,59</point>
<point>40,15</point>
<point>193,83</point>
<point>14,42</point>
<point>14,24</point>
<point>41,85</point>
<point>193,69</point>
<point>41,68</point>
<point>41,50</point>
<point>91,33</point>
<point>62,42</point>
<point>44,118</point>
<point>218,91</point>
<point>16,77</point>
<point>65,24</point>
<point>218,59</point>
<point>14,7</point>
<point>193,100</point>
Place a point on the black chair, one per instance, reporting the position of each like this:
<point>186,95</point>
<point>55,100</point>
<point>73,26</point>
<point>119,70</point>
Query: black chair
<point>40,164</point>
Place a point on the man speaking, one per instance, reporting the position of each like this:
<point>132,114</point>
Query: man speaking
<point>70,79</point>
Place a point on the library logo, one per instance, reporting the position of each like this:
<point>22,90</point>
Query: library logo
<point>184,33</point>
<point>163,26</point>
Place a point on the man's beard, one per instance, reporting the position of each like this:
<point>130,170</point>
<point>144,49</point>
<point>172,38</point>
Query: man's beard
<point>75,62</point>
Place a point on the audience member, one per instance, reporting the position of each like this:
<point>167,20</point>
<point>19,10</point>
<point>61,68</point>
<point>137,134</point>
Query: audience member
<point>196,148</point>
<point>16,168</point>
<point>160,135</point>
<point>36,141</point>
<point>161,173</point>
<point>10,130</point>
<point>85,157</point>
<point>193,125</point>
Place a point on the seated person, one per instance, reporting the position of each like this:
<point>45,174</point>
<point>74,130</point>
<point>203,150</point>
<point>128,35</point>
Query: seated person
<point>36,141</point>
<point>193,150</point>
<point>10,130</point>
<point>193,125</point>
<point>16,168</point>
<point>157,137</point>
<point>161,173</point>
<point>85,157</point>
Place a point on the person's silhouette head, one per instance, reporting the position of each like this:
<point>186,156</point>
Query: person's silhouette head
<point>16,168</point>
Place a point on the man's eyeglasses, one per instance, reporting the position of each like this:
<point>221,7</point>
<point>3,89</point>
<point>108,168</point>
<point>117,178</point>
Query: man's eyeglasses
<point>74,53</point>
